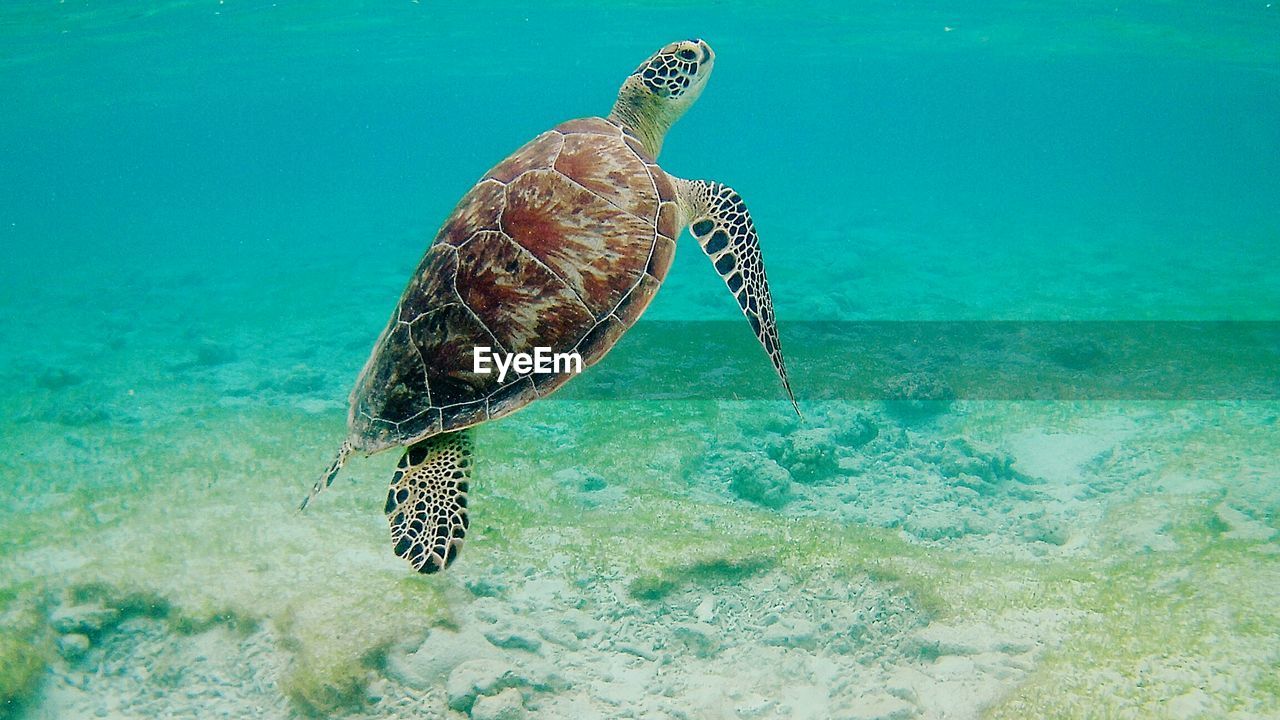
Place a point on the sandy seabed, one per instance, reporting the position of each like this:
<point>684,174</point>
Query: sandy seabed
<point>989,560</point>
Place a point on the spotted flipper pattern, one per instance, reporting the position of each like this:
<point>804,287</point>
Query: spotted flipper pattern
<point>427,502</point>
<point>719,220</point>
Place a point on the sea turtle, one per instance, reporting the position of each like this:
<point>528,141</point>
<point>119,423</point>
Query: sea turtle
<point>561,246</point>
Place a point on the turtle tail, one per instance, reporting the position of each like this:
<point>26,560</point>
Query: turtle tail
<point>327,478</point>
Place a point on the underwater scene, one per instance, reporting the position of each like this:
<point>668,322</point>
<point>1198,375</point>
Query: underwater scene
<point>1023,283</point>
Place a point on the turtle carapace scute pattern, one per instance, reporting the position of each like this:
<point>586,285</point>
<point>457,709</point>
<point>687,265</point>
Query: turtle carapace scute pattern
<point>562,246</point>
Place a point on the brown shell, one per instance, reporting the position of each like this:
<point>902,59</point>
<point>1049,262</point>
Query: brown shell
<point>562,245</point>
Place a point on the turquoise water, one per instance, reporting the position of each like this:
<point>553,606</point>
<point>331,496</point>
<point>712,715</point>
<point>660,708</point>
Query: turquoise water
<point>210,208</point>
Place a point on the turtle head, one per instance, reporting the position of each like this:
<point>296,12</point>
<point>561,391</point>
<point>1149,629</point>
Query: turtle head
<point>659,91</point>
<point>675,74</point>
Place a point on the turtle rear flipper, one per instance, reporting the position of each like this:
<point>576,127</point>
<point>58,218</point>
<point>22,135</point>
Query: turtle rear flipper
<point>427,502</point>
<point>329,474</point>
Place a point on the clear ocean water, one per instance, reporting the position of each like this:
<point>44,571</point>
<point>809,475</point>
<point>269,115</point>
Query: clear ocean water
<point>1024,257</point>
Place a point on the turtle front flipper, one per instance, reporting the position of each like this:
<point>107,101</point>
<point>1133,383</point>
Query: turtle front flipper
<point>719,220</point>
<point>427,502</point>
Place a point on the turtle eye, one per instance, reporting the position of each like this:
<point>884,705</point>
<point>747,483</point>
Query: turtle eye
<point>687,54</point>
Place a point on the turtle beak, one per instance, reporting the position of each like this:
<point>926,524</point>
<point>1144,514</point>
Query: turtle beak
<point>708,56</point>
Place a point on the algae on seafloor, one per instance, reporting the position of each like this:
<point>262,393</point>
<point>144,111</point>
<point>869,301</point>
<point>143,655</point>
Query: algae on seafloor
<point>197,545</point>
<point>1154,629</point>
<point>703,572</point>
<point>320,684</point>
<point>24,650</point>
<point>339,645</point>
<point>654,533</point>
<point>202,548</point>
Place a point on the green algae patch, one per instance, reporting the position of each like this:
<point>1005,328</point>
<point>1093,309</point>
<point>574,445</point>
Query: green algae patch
<point>703,572</point>
<point>127,602</point>
<point>340,644</point>
<point>124,603</point>
<point>202,529</point>
<point>727,544</point>
<point>22,665</point>
<point>320,684</point>
<point>1155,631</point>
<point>24,651</point>
<point>651,535</point>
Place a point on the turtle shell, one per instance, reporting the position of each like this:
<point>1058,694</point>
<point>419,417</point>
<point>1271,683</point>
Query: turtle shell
<point>562,245</point>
